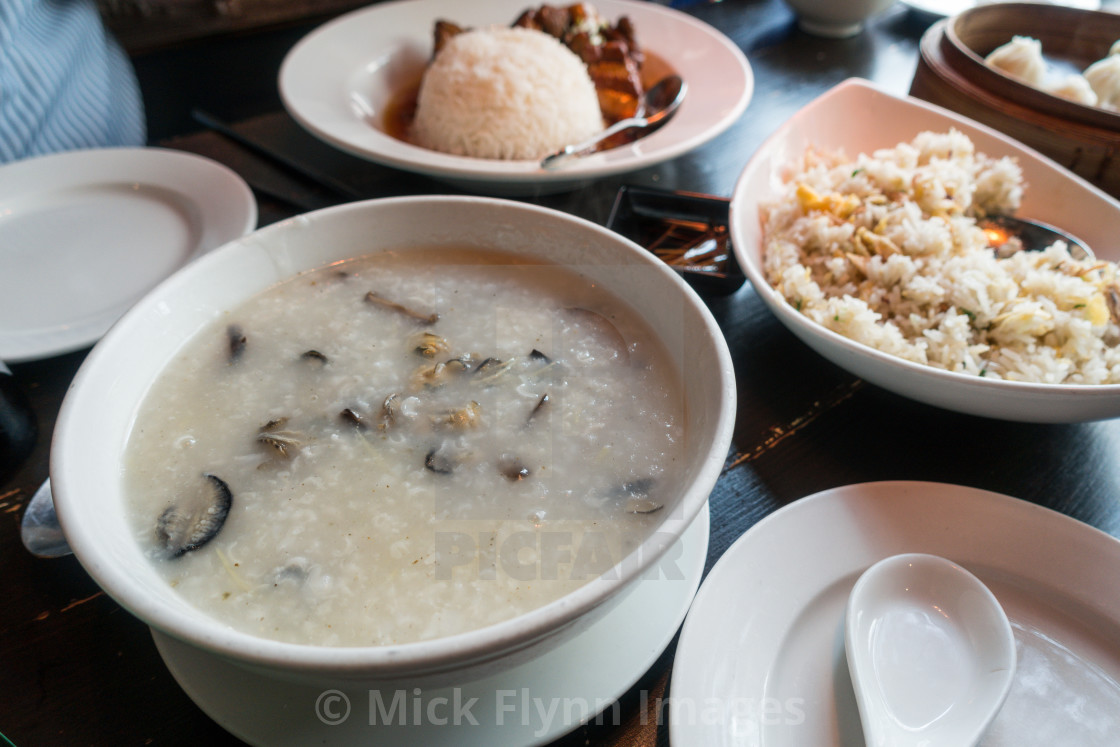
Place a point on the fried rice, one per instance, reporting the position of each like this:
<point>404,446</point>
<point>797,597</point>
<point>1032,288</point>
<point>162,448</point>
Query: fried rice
<point>884,249</point>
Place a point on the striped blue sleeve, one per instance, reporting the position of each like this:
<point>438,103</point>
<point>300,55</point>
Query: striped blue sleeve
<point>64,82</point>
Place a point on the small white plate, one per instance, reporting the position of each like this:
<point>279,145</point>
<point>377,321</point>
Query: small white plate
<point>858,117</point>
<point>943,8</point>
<point>338,81</point>
<point>530,704</point>
<point>760,660</point>
<point>84,234</point>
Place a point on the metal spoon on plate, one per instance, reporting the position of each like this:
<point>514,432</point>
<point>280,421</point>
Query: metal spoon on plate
<point>930,652</point>
<point>660,102</point>
<point>39,530</point>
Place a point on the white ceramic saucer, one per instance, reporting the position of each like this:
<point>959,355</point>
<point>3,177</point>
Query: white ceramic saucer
<point>84,234</point>
<point>534,703</point>
<point>760,661</point>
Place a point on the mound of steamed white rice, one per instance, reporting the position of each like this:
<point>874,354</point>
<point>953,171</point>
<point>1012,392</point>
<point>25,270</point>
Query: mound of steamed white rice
<point>506,93</point>
<point>884,249</point>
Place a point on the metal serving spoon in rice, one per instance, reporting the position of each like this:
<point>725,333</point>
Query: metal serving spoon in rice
<point>1008,234</point>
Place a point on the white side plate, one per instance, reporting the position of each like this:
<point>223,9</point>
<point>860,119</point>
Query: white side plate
<point>761,657</point>
<point>84,234</point>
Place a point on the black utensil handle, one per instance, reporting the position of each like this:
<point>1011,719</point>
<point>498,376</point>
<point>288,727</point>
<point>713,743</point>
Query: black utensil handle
<point>340,189</point>
<point>18,426</point>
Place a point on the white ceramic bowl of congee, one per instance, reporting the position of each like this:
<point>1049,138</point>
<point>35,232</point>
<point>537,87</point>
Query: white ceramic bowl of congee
<point>101,408</point>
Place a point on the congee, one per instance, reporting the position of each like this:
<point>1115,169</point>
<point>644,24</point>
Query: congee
<point>405,446</point>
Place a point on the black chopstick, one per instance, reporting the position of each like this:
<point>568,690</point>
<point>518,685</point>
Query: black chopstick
<point>297,201</point>
<point>325,181</point>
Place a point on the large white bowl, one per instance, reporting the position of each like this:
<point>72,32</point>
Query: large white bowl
<point>857,117</point>
<point>339,80</point>
<point>98,412</point>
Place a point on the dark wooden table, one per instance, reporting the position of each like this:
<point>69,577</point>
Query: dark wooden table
<point>76,669</point>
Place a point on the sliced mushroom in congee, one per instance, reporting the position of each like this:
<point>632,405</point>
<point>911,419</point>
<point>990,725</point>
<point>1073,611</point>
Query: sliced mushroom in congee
<point>414,504</point>
<point>195,517</point>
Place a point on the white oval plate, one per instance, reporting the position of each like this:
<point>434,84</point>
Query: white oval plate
<point>760,661</point>
<point>532,703</point>
<point>84,234</point>
<point>338,80</point>
<point>857,117</point>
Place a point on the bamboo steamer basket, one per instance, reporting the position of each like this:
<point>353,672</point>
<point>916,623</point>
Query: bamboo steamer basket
<point>952,73</point>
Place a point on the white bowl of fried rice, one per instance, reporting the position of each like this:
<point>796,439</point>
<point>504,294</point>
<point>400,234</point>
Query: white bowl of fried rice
<point>855,223</point>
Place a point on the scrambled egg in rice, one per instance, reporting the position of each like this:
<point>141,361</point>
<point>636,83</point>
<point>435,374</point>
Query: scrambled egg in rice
<point>885,250</point>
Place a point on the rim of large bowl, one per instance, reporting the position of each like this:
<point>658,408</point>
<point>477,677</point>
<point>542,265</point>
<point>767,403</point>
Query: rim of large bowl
<point>439,654</point>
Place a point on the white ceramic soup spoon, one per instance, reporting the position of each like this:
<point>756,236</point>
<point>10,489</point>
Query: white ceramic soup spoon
<point>930,652</point>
